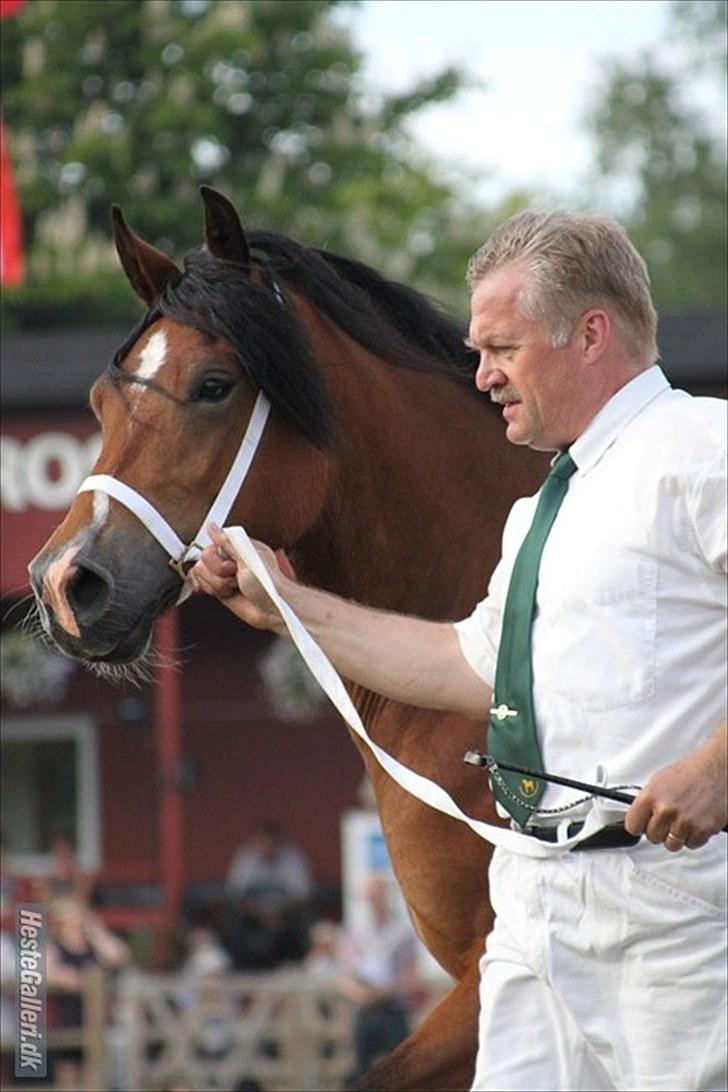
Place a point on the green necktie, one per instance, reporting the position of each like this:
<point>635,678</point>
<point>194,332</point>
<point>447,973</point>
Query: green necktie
<point>512,731</point>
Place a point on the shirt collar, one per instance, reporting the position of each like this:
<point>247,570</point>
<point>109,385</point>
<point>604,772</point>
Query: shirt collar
<point>615,415</point>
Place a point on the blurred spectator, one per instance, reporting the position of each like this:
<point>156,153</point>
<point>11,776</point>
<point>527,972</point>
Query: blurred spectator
<point>322,961</point>
<point>379,975</point>
<point>205,954</point>
<point>64,876</point>
<point>205,961</point>
<point>8,882</point>
<point>268,868</point>
<point>7,990</point>
<point>77,941</point>
<point>269,888</point>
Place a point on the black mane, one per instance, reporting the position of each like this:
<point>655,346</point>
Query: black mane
<point>390,320</point>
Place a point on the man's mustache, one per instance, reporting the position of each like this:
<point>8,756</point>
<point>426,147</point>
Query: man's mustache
<point>503,395</point>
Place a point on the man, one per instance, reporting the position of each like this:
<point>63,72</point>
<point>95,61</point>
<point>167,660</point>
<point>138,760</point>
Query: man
<point>605,968</point>
<point>378,974</point>
<point>269,887</point>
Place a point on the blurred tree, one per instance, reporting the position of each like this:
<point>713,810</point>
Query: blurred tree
<point>661,157</point>
<point>139,101</point>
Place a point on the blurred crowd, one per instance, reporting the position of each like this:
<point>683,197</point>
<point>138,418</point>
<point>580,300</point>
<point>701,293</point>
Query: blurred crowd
<point>77,940</point>
<point>267,920</point>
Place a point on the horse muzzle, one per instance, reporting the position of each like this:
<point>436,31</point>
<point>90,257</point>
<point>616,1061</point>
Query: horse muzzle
<point>99,604</point>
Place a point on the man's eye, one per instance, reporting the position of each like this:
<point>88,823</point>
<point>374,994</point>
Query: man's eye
<point>212,390</point>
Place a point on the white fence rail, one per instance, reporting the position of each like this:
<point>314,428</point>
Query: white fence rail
<point>280,1029</point>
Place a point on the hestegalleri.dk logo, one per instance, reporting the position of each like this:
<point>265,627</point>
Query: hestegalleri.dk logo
<point>31,995</point>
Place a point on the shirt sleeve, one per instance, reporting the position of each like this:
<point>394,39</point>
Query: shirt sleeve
<point>479,635</point>
<point>241,869</point>
<point>707,509</point>
<point>296,874</point>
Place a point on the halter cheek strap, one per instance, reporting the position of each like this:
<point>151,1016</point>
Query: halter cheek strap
<point>179,553</point>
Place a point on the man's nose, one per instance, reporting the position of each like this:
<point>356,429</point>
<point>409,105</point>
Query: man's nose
<point>487,376</point>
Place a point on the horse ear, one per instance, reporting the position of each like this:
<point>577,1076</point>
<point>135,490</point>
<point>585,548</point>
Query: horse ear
<point>224,235</point>
<point>147,269</point>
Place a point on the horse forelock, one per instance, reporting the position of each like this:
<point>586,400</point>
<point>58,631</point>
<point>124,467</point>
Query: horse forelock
<point>218,299</point>
<point>395,323</point>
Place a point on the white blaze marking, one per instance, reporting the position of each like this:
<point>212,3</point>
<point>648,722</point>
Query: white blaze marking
<point>152,356</point>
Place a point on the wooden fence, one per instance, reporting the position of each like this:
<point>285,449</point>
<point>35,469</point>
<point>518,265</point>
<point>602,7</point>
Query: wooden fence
<point>89,1038</point>
<point>280,1029</point>
<point>284,1030</point>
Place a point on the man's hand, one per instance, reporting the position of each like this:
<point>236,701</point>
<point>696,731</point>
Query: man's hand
<point>686,803</point>
<point>218,573</point>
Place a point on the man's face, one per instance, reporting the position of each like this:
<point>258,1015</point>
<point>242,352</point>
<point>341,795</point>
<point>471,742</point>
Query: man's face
<point>532,381</point>
<point>265,845</point>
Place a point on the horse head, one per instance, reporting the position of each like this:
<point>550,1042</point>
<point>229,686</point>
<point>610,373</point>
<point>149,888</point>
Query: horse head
<point>173,407</point>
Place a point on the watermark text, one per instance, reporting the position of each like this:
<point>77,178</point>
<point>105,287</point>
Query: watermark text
<point>31,995</point>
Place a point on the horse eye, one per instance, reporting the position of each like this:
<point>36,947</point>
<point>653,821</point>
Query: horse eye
<point>212,390</point>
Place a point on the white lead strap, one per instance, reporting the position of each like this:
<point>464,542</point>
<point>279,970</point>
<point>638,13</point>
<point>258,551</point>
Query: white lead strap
<point>429,792</point>
<point>318,663</point>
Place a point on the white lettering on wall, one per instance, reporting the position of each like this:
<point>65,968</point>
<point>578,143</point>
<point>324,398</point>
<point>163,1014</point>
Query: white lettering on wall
<point>45,471</point>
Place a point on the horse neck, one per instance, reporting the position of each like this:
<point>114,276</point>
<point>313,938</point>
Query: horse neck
<point>421,487</point>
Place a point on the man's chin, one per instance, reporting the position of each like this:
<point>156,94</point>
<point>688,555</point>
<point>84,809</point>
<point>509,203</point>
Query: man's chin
<point>516,433</point>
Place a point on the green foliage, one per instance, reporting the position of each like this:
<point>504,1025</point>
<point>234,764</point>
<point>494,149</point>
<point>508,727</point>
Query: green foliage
<point>139,101</point>
<point>667,154</point>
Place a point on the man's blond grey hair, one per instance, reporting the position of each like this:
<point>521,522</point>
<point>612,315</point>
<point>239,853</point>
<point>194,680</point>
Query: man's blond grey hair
<point>574,261</point>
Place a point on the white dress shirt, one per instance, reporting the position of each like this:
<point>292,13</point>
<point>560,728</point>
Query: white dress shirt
<point>629,633</point>
<point>283,876</point>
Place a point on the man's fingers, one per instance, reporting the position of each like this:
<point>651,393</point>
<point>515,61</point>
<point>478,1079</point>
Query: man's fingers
<point>220,541</point>
<point>217,573</point>
<point>217,562</point>
<point>664,826</point>
<point>214,574</point>
<point>637,816</point>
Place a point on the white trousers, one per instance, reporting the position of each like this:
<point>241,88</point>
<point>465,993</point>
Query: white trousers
<point>606,969</point>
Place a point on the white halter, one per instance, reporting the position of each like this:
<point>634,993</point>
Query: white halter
<point>179,553</point>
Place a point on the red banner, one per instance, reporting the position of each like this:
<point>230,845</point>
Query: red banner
<point>11,249</point>
<point>9,7</point>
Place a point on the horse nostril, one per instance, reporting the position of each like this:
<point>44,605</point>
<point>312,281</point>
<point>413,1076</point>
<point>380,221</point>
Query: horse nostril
<point>88,593</point>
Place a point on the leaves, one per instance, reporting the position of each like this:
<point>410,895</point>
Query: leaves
<point>139,102</point>
<point>665,156</point>
<point>262,100</point>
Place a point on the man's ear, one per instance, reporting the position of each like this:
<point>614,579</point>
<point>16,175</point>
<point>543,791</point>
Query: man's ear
<point>594,333</point>
<point>146,268</point>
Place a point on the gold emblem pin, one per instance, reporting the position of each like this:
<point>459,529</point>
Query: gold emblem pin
<point>528,786</point>
<point>500,712</point>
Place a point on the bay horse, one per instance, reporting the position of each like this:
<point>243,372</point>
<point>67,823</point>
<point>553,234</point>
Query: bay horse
<point>382,472</point>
